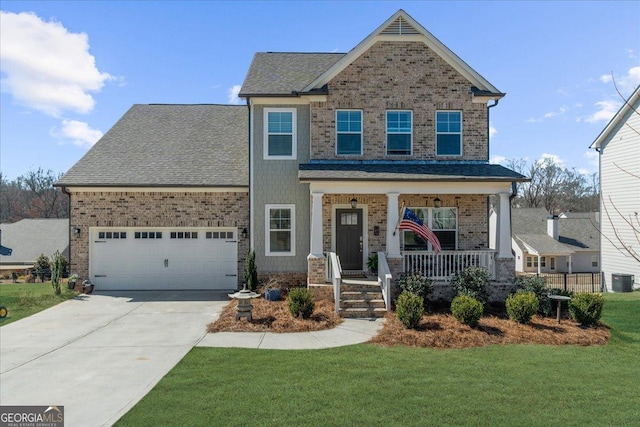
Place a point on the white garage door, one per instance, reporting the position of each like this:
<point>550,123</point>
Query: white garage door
<point>163,258</point>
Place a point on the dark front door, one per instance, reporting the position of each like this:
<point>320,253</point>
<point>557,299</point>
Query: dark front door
<point>349,238</point>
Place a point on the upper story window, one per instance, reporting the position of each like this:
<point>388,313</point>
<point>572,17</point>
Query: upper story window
<point>399,132</point>
<point>349,132</point>
<point>280,133</point>
<point>449,133</point>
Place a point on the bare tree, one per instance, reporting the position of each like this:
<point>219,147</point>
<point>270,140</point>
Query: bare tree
<point>32,195</point>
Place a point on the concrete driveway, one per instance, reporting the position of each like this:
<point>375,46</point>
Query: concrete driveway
<point>98,355</point>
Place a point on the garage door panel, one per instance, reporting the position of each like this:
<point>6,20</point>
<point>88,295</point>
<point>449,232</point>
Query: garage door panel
<point>140,263</point>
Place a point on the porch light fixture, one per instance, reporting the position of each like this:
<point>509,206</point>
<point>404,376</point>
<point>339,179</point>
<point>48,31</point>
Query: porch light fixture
<point>437,203</point>
<point>245,232</point>
<point>76,231</point>
<point>354,203</point>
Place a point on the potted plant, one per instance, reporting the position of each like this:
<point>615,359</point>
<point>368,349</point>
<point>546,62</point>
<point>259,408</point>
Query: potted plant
<point>71,282</point>
<point>87,286</point>
<point>372,263</point>
<point>272,290</point>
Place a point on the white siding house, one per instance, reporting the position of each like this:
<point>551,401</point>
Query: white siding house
<point>619,148</point>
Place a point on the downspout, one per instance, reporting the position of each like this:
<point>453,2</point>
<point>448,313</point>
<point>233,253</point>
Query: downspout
<point>250,140</point>
<point>68,193</point>
<point>488,198</point>
<point>496,101</point>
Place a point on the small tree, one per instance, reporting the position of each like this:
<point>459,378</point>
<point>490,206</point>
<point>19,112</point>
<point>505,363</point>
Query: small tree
<point>42,266</point>
<point>251,272</point>
<point>58,262</point>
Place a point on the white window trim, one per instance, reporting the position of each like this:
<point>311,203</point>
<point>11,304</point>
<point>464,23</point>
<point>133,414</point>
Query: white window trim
<point>450,133</point>
<point>294,128</point>
<point>267,230</point>
<point>361,133</point>
<point>429,223</point>
<point>386,137</point>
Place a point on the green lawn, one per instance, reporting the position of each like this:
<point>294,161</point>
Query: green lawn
<point>365,385</point>
<point>25,299</point>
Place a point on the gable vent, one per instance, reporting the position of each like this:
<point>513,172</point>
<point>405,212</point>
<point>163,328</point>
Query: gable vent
<point>400,27</point>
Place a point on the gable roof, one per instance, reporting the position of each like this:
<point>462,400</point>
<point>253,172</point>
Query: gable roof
<point>577,232</point>
<point>29,238</point>
<point>401,25</point>
<point>618,120</point>
<point>290,74</point>
<point>169,146</point>
<point>284,74</point>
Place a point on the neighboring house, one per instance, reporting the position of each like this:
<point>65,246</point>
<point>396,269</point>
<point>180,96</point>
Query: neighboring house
<point>333,146</point>
<point>566,243</point>
<point>619,148</point>
<point>30,238</point>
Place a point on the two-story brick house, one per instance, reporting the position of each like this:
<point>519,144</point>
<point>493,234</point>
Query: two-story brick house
<point>337,144</point>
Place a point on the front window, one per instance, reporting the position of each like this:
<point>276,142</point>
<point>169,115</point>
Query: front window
<point>280,230</point>
<point>399,132</point>
<point>594,260</point>
<point>532,261</point>
<point>449,133</point>
<point>349,132</point>
<point>280,133</point>
<point>444,224</point>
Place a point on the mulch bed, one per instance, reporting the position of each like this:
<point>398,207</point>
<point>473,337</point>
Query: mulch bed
<point>444,331</point>
<point>274,316</point>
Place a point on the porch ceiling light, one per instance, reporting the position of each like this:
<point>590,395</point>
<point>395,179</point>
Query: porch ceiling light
<point>354,203</point>
<point>437,203</point>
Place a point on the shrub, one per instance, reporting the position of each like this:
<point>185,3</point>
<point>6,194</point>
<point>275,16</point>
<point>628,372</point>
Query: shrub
<point>250,271</point>
<point>473,282</point>
<point>521,306</point>
<point>58,262</point>
<point>586,308</point>
<point>416,284</point>
<point>466,309</point>
<point>409,309</point>
<point>42,267</point>
<point>301,302</point>
<point>537,285</point>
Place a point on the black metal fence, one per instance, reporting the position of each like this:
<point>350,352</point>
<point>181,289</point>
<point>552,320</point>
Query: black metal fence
<point>574,282</point>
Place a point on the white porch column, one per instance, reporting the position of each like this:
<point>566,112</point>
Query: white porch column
<point>504,227</point>
<point>316,225</point>
<point>539,263</point>
<point>393,240</point>
<point>570,262</point>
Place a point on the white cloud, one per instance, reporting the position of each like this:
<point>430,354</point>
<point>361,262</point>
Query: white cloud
<point>559,112</point>
<point>553,157</point>
<point>79,133</point>
<point>583,171</point>
<point>492,130</point>
<point>592,158</point>
<point>626,82</point>
<point>233,95</point>
<point>45,67</point>
<point>497,159</point>
<point>606,110</point>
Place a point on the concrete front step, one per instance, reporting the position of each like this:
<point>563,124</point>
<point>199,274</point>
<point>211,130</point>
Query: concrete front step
<point>362,303</point>
<point>361,313</point>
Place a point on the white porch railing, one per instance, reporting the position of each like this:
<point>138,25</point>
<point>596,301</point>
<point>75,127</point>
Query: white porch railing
<point>334,276</point>
<point>441,266</point>
<point>384,279</point>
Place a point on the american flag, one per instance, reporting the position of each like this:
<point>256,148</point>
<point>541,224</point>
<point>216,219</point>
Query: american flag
<point>410,221</point>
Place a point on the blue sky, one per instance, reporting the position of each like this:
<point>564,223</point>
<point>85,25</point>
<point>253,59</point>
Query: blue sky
<point>70,70</point>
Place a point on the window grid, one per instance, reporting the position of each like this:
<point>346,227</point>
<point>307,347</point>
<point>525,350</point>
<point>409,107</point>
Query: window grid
<point>399,132</point>
<point>444,224</point>
<point>112,235</point>
<point>349,132</point>
<point>449,133</point>
<point>148,235</point>
<point>280,230</point>
<point>280,133</point>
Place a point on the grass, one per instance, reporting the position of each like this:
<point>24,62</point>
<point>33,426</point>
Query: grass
<point>370,385</point>
<point>24,299</point>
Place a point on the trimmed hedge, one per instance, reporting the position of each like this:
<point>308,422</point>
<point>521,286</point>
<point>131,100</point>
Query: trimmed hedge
<point>409,309</point>
<point>521,306</point>
<point>466,309</point>
<point>586,308</point>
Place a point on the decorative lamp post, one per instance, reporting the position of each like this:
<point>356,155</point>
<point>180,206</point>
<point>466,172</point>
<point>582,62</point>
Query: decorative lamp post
<point>244,306</point>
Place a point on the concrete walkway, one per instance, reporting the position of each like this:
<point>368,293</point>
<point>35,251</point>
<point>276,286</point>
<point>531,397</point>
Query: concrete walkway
<point>351,331</point>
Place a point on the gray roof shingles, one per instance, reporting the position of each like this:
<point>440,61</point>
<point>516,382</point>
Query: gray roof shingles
<point>28,238</point>
<point>577,233</point>
<point>169,146</point>
<point>407,171</point>
<point>282,73</point>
